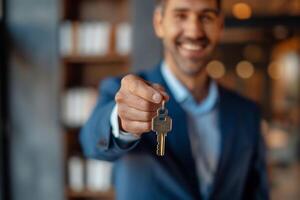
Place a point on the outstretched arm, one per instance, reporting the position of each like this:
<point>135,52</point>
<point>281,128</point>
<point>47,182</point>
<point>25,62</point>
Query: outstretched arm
<point>96,136</point>
<point>137,101</point>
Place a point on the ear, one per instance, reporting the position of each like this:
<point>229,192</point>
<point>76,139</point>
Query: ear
<point>157,23</point>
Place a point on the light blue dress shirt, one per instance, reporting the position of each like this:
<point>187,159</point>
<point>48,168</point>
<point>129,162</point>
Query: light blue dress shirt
<point>202,126</point>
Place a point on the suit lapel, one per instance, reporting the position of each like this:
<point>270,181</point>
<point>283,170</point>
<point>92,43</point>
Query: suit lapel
<point>227,124</point>
<point>178,144</point>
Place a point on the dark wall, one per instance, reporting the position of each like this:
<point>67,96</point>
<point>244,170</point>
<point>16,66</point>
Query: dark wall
<point>2,114</point>
<point>4,165</point>
<point>36,140</point>
<point>146,47</point>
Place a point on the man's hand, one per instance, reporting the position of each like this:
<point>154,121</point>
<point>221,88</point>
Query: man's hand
<point>137,101</point>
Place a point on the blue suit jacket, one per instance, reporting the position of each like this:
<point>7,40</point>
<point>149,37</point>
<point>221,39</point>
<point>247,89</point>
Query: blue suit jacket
<point>140,175</point>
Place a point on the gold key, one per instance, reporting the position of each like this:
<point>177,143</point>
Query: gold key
<point>161,124</point>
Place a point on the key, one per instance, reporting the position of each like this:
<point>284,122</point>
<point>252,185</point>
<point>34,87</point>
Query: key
<point>161,124</point>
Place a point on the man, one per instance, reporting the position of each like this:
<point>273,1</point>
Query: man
<point>214,151</point>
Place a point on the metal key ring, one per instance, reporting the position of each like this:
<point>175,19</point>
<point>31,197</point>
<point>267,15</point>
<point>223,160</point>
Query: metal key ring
<point>163,105</point>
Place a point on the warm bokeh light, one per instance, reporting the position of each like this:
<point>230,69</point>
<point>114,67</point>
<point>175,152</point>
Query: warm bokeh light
<point>273,70</point>
<point>290,63</point>
<point>276,138</point>
<point>241,11</point>
<point>253,53</point>
<point>245,69</point>
<point>215,69</point>
<point>285,68</point>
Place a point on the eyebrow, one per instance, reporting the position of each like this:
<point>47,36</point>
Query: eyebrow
<point>206,10</point>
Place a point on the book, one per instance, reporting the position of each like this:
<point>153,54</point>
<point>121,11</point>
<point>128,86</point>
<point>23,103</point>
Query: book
<point>98,175</point>
<point>123,38</point>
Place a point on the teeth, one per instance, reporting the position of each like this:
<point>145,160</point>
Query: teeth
<point>193,47</point>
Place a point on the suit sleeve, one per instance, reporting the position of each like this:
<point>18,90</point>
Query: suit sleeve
<point>257,186</point>
<point>96,136</point>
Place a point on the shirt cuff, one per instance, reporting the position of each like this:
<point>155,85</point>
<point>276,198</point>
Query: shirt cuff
<point>117,133</point>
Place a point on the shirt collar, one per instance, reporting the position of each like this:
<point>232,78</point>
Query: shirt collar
<point>184,97</point>
<point>178,90</point>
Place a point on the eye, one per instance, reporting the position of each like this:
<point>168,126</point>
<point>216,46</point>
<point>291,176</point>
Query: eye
<point>208,17</point>
<point>205,18</point>
<point>180,16</point>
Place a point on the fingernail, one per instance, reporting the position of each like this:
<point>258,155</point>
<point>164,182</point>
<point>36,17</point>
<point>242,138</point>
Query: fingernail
<point>156,97</point>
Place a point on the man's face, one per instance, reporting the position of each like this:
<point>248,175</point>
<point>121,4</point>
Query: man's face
<point>190,31</point>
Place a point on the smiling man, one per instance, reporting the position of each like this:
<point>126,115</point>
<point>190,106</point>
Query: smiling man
<point>215,149</point>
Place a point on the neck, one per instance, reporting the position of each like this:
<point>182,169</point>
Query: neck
<point>197,84</point>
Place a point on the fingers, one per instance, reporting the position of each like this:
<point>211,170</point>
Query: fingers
<point>127,99</point>
<point>135,127</point>
<point>161,90</point>
<point>138,101</point>
<point>129,113</point>
<point>140,88</point>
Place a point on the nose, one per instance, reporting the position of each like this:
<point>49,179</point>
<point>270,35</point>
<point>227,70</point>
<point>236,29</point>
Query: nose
<point>194,28</point>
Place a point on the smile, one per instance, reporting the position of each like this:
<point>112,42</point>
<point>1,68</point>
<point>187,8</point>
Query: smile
<point>192,50</point>
<point>192,47</point>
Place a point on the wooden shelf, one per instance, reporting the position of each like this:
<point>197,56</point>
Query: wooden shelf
<point>89,70</point>
<point>108,59</point>
<point>89,194</point>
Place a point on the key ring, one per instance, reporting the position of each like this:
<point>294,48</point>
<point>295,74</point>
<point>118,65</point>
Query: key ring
<point>163,105</point>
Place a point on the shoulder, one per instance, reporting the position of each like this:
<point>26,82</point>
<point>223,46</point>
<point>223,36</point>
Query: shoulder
<point>246,114</point>
<point>238,102</point>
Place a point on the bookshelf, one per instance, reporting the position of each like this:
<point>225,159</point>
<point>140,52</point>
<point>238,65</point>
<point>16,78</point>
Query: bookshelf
<point>109,59</point>
<point>95,42</point>
<point>90,195</point>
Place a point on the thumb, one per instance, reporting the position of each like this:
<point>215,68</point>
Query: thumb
<point>162,91</point>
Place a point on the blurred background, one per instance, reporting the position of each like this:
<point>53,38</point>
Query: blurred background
<point>54,54</point>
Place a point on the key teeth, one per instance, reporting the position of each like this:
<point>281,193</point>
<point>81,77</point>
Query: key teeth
<point>158,151</point>
<point>159,154</point>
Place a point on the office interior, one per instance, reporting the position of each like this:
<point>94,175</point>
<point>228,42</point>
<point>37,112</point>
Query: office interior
<point>54,54</point>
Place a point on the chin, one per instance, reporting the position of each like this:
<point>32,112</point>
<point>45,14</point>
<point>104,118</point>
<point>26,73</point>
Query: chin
<point>192,71</point>
<point>191,68</point>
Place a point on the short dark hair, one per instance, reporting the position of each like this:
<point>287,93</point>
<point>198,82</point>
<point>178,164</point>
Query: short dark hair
<point>161,3</point>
